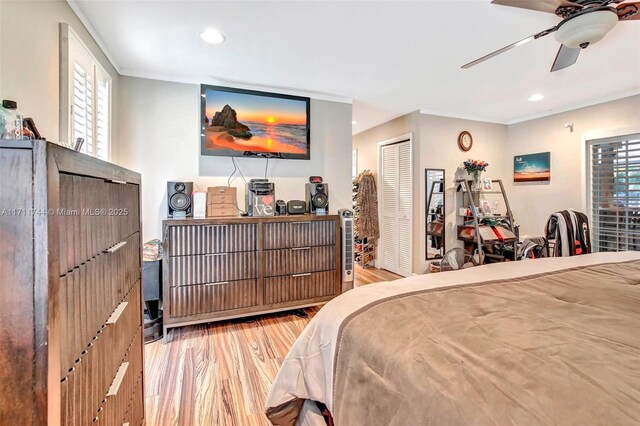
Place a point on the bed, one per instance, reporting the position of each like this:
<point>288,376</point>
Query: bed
<point>548,341</point>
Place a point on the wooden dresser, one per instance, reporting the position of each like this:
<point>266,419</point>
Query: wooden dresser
<point>222,268</point>
<point>71,339</point>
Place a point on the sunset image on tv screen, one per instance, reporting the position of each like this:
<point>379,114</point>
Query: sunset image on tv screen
<point>236,123</point>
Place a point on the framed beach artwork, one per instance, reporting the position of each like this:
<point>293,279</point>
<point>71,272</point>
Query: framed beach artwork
<point>237,122</point>
<point>532,167</point>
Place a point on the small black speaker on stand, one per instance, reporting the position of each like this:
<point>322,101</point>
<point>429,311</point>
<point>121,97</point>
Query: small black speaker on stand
<point>317,196</point>
<point>179,199</point>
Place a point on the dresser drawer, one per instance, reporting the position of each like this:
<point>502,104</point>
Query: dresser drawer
<point>87,295</point>
<point>300,287</point>
<point>212,297</point>
<point>210,268</point>
<point>299,260</point>
<point>113,336</point>
<point>125,388</point>
<point>93,215</point>
<point>208,239</point>
<point>299,234</point>
<point>87,380</point>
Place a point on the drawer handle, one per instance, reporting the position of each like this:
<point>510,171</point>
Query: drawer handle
<point>216,254</point>
<point>301,248</point>
<point>115,316</point>
<point>121,182</point>
<point>117,382</point>
<point>301,275</point>
<point>301,223</point>
<point>219,283</point>
<point>115,248</point>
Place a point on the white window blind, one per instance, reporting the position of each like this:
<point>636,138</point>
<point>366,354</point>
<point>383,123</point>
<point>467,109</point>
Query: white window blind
<point>82,107</point>
<point>615,193</point>
<point>103,114</point>
<point>90,101</point>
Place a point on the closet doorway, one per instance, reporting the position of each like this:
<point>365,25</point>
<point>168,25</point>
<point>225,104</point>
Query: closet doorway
<point>395,192</point>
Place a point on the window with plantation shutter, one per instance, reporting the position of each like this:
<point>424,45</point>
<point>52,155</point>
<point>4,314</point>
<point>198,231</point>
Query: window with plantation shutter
<point>82,107</point>
<point>89,100</point>
<point>615,193</point>
<point>103,109</point>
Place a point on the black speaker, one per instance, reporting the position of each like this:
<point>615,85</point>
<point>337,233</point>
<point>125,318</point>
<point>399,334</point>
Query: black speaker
<point>179,199</point>
<point>317,198</point>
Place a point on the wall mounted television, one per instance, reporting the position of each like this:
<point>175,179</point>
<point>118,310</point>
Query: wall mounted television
<point>248,123</point>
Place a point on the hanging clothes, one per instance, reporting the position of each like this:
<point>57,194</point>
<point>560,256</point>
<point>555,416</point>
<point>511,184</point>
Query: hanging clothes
<point>569,230</point>
<point>366,224</point>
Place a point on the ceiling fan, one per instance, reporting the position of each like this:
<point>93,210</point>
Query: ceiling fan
<point>584,22</point>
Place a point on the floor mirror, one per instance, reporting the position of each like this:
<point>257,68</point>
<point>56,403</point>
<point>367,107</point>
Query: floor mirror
<point>435,208</point>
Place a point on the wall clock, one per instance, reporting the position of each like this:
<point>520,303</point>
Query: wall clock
<point>465,141</point>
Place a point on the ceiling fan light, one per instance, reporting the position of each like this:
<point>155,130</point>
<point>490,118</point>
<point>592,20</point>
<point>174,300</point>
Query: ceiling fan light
<point>586,28</point>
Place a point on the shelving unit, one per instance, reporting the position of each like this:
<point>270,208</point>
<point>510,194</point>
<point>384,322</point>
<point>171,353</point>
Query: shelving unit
<point>364,253</point>
<point>471,200</point>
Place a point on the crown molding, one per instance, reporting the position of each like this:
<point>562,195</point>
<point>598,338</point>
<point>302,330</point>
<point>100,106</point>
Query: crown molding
<point>172,78</point>
<point>92,31</point>
<point>462,116</point>
<point>575,106</point>
<point>548,113</point>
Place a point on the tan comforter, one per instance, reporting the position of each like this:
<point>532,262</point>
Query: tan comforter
<point>551,341</point>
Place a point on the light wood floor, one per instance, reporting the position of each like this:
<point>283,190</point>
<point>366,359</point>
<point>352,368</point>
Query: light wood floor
<point>220,373</point>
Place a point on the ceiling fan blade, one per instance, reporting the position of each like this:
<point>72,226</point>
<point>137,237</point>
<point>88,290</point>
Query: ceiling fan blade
<point>629,11</point>
<point>511,46</point>
<point>566,57</point>
<point>549,6</point>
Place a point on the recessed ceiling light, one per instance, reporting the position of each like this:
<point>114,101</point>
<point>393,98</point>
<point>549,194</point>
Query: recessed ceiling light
<point>353,123</point>
<point>212,36</point>
<point>536,97</point>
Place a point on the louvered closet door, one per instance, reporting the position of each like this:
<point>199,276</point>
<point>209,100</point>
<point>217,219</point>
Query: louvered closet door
<point>396,202</point>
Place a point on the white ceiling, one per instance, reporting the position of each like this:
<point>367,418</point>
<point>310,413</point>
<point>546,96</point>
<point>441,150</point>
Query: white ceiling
<point>389,57</point>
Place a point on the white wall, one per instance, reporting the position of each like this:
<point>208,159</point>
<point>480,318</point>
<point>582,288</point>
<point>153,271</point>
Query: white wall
<point>439,150</point>
<point>435,147</point>
<point>532,203</point>
<point>160,138</point>
<point>30,64</point>
<point>367,145</point>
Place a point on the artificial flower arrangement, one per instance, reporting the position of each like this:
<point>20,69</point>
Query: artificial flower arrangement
<point>475,166</point>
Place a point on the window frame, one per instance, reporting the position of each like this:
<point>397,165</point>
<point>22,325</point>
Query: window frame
<point>625,139</point>
<point>70,41</point>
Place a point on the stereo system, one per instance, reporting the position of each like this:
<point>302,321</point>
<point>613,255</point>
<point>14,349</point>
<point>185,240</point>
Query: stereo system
<point>260,198</point>
<point>179,199</point>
